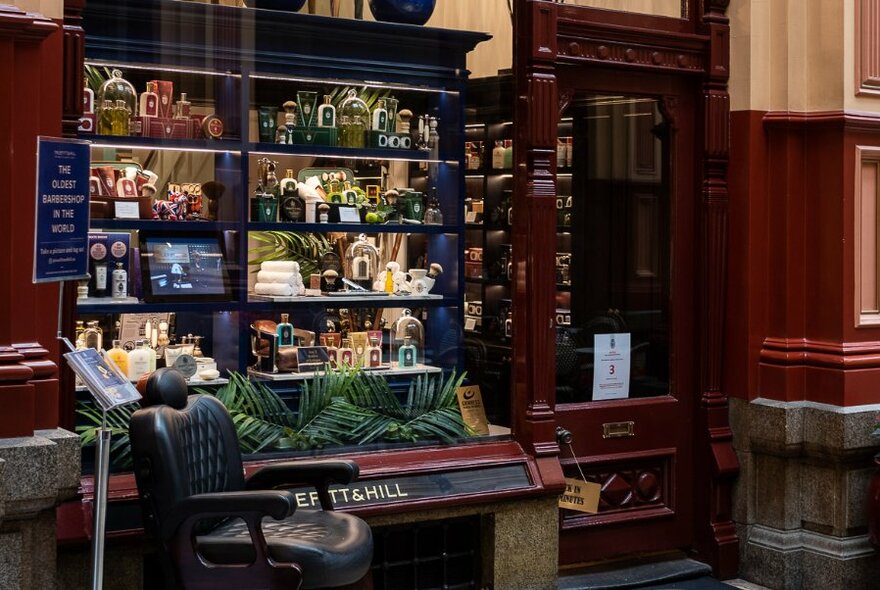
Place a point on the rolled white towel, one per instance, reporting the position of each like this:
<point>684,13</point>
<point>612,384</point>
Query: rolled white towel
<point>279,266</point>
<point>266,276</point>
<point>274,289</point>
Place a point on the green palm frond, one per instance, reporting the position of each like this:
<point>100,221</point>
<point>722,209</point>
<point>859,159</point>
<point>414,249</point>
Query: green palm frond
<point>304,248</point>
<point>444,424</point>
<point>117,423</point>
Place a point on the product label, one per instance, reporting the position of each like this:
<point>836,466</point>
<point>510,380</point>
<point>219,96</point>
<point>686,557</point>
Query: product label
<point>473,413</point>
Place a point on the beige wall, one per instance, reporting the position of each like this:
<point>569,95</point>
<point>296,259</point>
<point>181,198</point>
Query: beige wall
<point>794,55</point>
<point>49,8</point>
<point>670,8</point>
<point>486,16</point>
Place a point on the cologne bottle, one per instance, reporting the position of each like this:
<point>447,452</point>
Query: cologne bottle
<point>79,335</point>
<point>345,356</point>
<point>498,155</point>
<point>121,118</point>
<point>139,360</point>
<point>183,107</point>
<point>433,215</point>
<point>149,103</point>
<point>354,121</point>
<point>105,118</point>
<point>120,282</point>
<point>93,336</point>
<point>407,354</point>
<point>560,152</point>
<point>374,353</point>
<point>333,354</point>
<point>119,357</point>
<point>288,183</point>
<point>327,113</point>
<point>569,151</point>
<point>285,331</point>
<point>380,117</point>
<point>88,98</point>
<point>100,272</point>
<point>508,154</point>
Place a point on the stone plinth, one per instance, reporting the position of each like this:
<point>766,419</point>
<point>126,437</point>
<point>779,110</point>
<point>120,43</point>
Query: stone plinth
<point>800,498</point>
<point>35,474</point>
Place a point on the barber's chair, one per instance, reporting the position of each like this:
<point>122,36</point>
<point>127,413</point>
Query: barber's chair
<point>216,529</point>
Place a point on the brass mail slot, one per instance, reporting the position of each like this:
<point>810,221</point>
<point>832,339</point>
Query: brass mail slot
<point>618,429</point>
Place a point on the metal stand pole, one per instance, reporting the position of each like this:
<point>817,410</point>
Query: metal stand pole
<point>102,475</point>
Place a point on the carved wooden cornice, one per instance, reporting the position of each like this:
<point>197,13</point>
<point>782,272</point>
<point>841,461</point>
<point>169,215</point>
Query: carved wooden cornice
<point>18,23</point>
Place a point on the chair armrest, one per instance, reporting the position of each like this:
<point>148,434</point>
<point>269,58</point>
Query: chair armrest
<point>319,474</point>
<point>248,505</point>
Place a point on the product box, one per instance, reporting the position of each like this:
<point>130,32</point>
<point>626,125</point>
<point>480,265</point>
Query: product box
<point>108,248</point>
<point>163,128</point>
<point>165,90</point>
<point>473,270</point>
<point>314,136</point>
<point>389,140</point>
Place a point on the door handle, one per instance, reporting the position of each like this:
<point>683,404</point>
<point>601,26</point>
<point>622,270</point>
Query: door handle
<point>563,436</point>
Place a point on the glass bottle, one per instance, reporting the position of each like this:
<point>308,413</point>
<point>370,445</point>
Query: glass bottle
<point>569,151</point>
<point>120,282</point>
<point>79,335</point>
<point>380,116</point>
<point>139,360</point>
<point>119,357</point>
<point>100,273</point>
<point>285,331</point>
<point>183,107</point>
<point>105,118</point>
<point>121,118</point>
<point>345,355</point>
<point>407,354</point>
<point>362,262</point>
<point>93,336</point>
<point>354,121</point>
<point>88,97</point>
<point>433,215</point>
<point>149,102</point>
<point>560,152</point>
<point>288,183</point>
<point>498,155</point>
<point>508,154</point>
<point>327,113</point>
<point>114,89</point>
<point>374,353</point>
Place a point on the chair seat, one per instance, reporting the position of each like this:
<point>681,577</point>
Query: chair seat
<point>332,548</point>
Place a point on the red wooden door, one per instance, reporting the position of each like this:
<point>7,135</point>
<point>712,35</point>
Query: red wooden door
<point>629,228</point>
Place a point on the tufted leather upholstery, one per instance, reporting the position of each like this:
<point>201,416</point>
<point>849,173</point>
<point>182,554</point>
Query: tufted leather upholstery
<point>191,454</point>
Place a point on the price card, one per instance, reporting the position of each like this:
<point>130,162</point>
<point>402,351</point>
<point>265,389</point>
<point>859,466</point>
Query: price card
<point>127,210</point>
<point>349,215</point>
<point>611,366</point>
<point>472,411</point>
<point>470,324</point>
<point>580,495</point>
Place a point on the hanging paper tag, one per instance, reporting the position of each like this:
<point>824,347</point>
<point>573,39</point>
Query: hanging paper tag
<point>472,411</point>
<point>580,495</point>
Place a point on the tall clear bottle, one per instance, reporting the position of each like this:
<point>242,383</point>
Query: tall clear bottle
<point>140,360</point>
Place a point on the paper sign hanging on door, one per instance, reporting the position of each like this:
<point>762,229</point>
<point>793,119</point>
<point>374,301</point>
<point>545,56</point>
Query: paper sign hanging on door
<point>611,366</point>
<point>580,495</point>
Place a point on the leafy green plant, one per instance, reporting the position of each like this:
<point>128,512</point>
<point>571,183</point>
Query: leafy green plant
<point>337,407</point>
<point>304,248</point>
<point>96,76</point>
<point>117,422</point>
<point>370,96</point>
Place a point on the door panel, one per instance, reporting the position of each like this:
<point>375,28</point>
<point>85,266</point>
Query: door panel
<point>630,235</point>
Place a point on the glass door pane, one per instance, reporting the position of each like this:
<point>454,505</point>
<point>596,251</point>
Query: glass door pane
<point>613,250</point>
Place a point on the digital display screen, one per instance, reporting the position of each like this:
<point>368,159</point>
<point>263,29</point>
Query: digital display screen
<point>184,266</point>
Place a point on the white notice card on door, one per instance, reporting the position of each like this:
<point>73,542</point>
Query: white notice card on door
<point>611,366</point>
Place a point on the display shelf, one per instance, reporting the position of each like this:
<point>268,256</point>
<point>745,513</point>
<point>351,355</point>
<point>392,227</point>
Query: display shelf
<point>392,371</point>
<point>181,307</point>
<point>488,281</point>
<point>163,225</point>
<point>346,301</point>
<point>366,228</point>
<point>344,153</point>
<point>152,143</point>
<point>190,383</point>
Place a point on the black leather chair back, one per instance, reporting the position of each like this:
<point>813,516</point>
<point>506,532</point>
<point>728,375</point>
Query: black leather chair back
<point>181,445</point>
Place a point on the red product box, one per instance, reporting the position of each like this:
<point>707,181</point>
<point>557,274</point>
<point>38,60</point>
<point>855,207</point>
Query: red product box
<point>161,128</point>
<point>473,270</point>
<point>165,90</point>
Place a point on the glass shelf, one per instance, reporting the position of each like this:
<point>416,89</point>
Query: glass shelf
<point>368,301</point>
<point>161,224</point>
<point>177,307</point>
<point>391,371</point>
<point>155,143</point>
<point>366,228</point>
<point>344,153</point>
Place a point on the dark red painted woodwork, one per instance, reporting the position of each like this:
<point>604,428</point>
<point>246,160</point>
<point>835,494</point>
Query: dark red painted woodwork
<point>74,516</point>
<point>29,44</point>
<point>872,503</point>
<point>602,50</point>
<point>797,226</point>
